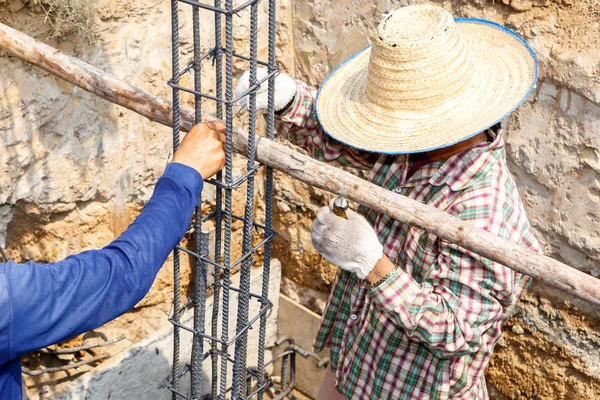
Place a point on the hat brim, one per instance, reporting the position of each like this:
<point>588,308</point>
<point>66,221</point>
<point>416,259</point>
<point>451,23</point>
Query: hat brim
<point>508,72</point>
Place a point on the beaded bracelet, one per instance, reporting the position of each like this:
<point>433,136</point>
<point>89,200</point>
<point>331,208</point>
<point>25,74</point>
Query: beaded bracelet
<point>385,278</point>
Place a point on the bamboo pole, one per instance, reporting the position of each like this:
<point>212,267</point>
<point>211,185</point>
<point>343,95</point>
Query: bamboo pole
<point>310,171</point>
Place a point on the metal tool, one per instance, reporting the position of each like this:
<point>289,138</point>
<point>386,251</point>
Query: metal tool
<point>340,206</point>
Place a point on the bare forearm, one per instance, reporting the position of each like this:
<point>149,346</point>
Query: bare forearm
<point>381,269</point>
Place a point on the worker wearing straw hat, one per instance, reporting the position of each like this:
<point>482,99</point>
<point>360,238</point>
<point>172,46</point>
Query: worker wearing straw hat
<point>412,316</point>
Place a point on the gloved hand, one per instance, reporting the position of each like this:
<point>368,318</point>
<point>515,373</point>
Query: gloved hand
<point>285,90</point>
<point>349,243</point>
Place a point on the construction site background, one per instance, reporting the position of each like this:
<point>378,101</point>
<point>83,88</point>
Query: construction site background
<point>75,170</point>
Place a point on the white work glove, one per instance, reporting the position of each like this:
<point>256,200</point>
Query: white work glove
<point>285,90</point>
<point>351,243</point>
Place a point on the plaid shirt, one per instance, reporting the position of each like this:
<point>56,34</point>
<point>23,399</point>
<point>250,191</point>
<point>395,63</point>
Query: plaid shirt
<point>429,331</point>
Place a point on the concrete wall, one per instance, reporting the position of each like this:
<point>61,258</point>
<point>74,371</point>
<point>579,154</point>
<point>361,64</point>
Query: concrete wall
<point>300,324</point>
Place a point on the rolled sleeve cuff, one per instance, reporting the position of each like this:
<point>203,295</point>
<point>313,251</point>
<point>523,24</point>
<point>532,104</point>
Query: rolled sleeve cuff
<point>186,175</point>
<point>396,295</point>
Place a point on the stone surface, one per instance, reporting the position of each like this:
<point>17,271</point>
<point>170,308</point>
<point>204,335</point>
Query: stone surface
<point>312,299</point>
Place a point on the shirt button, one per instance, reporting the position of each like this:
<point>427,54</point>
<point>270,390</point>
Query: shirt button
<point>353,317</point>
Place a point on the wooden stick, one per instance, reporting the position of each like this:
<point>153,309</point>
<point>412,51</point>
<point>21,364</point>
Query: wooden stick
<point>310,171</point>
<point>87,77</point>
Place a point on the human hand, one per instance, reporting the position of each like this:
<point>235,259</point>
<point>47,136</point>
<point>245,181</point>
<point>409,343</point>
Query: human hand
<point>349,243</point>
<point>202,148</point>
<point>285,90</point>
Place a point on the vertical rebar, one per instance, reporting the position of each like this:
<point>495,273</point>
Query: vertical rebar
<point>199,299</point>
<point>239,367</point>
<point>218,60</point>
<point>214,331</point>
<point>228,194</point>
<point>197,71</point>
<point>268,200</point>
<point>176,266</point>
<point>200,283</point>
<point>284,369</point>
<point>220,348</point>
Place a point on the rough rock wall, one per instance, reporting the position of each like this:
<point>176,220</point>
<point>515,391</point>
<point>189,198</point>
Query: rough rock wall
<point>550,348</point>
<point>66,153</point>
<point>65,149</point>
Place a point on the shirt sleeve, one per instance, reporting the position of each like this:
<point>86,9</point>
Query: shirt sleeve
<point>300,125</point>
<point>466,295</point>
<point>44,304</point>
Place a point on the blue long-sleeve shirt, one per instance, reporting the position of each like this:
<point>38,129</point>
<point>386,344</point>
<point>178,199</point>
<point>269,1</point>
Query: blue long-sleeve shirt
<point>42,304</point>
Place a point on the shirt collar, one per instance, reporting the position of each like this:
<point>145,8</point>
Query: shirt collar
<point>462,170</point>
<point>423,174</point>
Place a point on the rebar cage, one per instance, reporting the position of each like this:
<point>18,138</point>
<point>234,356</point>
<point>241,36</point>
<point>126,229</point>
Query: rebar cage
<point>227,354</point>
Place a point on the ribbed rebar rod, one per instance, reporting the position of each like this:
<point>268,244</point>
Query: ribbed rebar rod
<point>176,261</point>
<point>239,366</point>
<point>200,283</point>
<point>199,296</point>
<point>268,199</point>
<point>218,59</point>
<point>197,69</point>
<point>228,194</point>
<point>214,330</point>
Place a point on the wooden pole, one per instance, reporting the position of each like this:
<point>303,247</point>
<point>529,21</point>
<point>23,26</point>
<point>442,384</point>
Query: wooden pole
<point>310,171</point>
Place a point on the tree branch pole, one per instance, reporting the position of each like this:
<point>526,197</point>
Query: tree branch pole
<point>310,171</point>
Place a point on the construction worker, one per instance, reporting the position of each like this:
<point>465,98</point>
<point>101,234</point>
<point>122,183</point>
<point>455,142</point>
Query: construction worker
<point>412,316</point>
<point>42,304</point>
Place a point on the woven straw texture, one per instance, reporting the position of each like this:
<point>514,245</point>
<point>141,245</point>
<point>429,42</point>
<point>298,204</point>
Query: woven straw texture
<point>427,82</point>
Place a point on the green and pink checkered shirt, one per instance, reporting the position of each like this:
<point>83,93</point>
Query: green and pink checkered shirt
<point>429,331</point>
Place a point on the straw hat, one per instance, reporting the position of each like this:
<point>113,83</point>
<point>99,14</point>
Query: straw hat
<point>428,81</point>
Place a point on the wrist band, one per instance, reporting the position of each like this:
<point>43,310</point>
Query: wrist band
<point>385,278</point>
